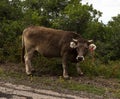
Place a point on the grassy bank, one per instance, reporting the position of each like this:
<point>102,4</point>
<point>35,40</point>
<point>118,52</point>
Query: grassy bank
<point>98,80</point>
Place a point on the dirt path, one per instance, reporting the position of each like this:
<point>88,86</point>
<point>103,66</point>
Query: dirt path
<point>10,91</point>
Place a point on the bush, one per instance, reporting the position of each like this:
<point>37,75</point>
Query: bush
<point>112,69</point>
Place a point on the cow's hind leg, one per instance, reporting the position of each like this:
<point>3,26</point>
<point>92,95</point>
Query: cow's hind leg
<point>28,57</point>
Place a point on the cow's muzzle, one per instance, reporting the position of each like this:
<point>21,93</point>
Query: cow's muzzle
<point>80,58</point>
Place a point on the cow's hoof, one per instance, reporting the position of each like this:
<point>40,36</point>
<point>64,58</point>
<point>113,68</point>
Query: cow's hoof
<point>28,73</point>
<point>81,74</point>
<point>33,71</point>
<point>66,77</point>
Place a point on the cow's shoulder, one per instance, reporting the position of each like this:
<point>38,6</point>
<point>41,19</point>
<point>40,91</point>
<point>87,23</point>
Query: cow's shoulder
<point>69,35</point>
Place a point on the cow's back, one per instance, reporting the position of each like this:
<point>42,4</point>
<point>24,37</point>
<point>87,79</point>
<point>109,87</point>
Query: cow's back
<point>37,33</point>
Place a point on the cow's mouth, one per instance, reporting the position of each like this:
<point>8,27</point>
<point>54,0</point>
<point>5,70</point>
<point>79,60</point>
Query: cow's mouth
<point>80,58</point>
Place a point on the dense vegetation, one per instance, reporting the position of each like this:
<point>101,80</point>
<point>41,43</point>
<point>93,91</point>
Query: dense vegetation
<point>72,15</point>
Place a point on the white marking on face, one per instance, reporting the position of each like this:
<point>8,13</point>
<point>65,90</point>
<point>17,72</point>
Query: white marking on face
<point>82,57</point>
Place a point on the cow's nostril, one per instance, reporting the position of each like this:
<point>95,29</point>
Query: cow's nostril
<point>80,58</point>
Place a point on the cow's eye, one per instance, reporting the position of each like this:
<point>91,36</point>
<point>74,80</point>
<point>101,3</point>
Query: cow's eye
<point>86,47</point>
<point>77,49</point>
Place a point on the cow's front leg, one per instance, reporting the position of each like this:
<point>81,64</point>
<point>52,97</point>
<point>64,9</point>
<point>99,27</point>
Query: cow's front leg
<point>28,66</point>
<point>64,65</point>
<point>79,69</point>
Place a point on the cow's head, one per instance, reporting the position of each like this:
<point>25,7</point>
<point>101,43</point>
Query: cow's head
<point>82,47</point>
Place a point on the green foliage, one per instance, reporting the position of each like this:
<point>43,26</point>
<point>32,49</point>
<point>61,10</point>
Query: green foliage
<point>110,70</point>
<point>114,27</point>
<point>75,17</point>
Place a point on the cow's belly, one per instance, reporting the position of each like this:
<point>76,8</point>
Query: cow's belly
<point>49,51</point>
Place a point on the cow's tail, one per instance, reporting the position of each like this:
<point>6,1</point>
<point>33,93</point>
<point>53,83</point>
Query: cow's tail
<point>23,50</point>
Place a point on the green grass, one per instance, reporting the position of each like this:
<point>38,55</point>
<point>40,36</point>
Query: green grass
<point>1,72</point>
<point>73,85</point>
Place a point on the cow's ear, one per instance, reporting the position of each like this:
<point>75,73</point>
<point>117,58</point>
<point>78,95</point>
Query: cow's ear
<point>73,43</point>
<point>92,47</point>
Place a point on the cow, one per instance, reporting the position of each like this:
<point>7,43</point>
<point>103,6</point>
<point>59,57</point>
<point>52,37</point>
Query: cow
<point>49,42</point>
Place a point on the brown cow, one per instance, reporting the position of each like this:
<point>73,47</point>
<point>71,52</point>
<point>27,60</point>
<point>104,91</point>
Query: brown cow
<point>54,43</point>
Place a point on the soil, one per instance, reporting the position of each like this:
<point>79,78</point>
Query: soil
<point>14,73</point>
